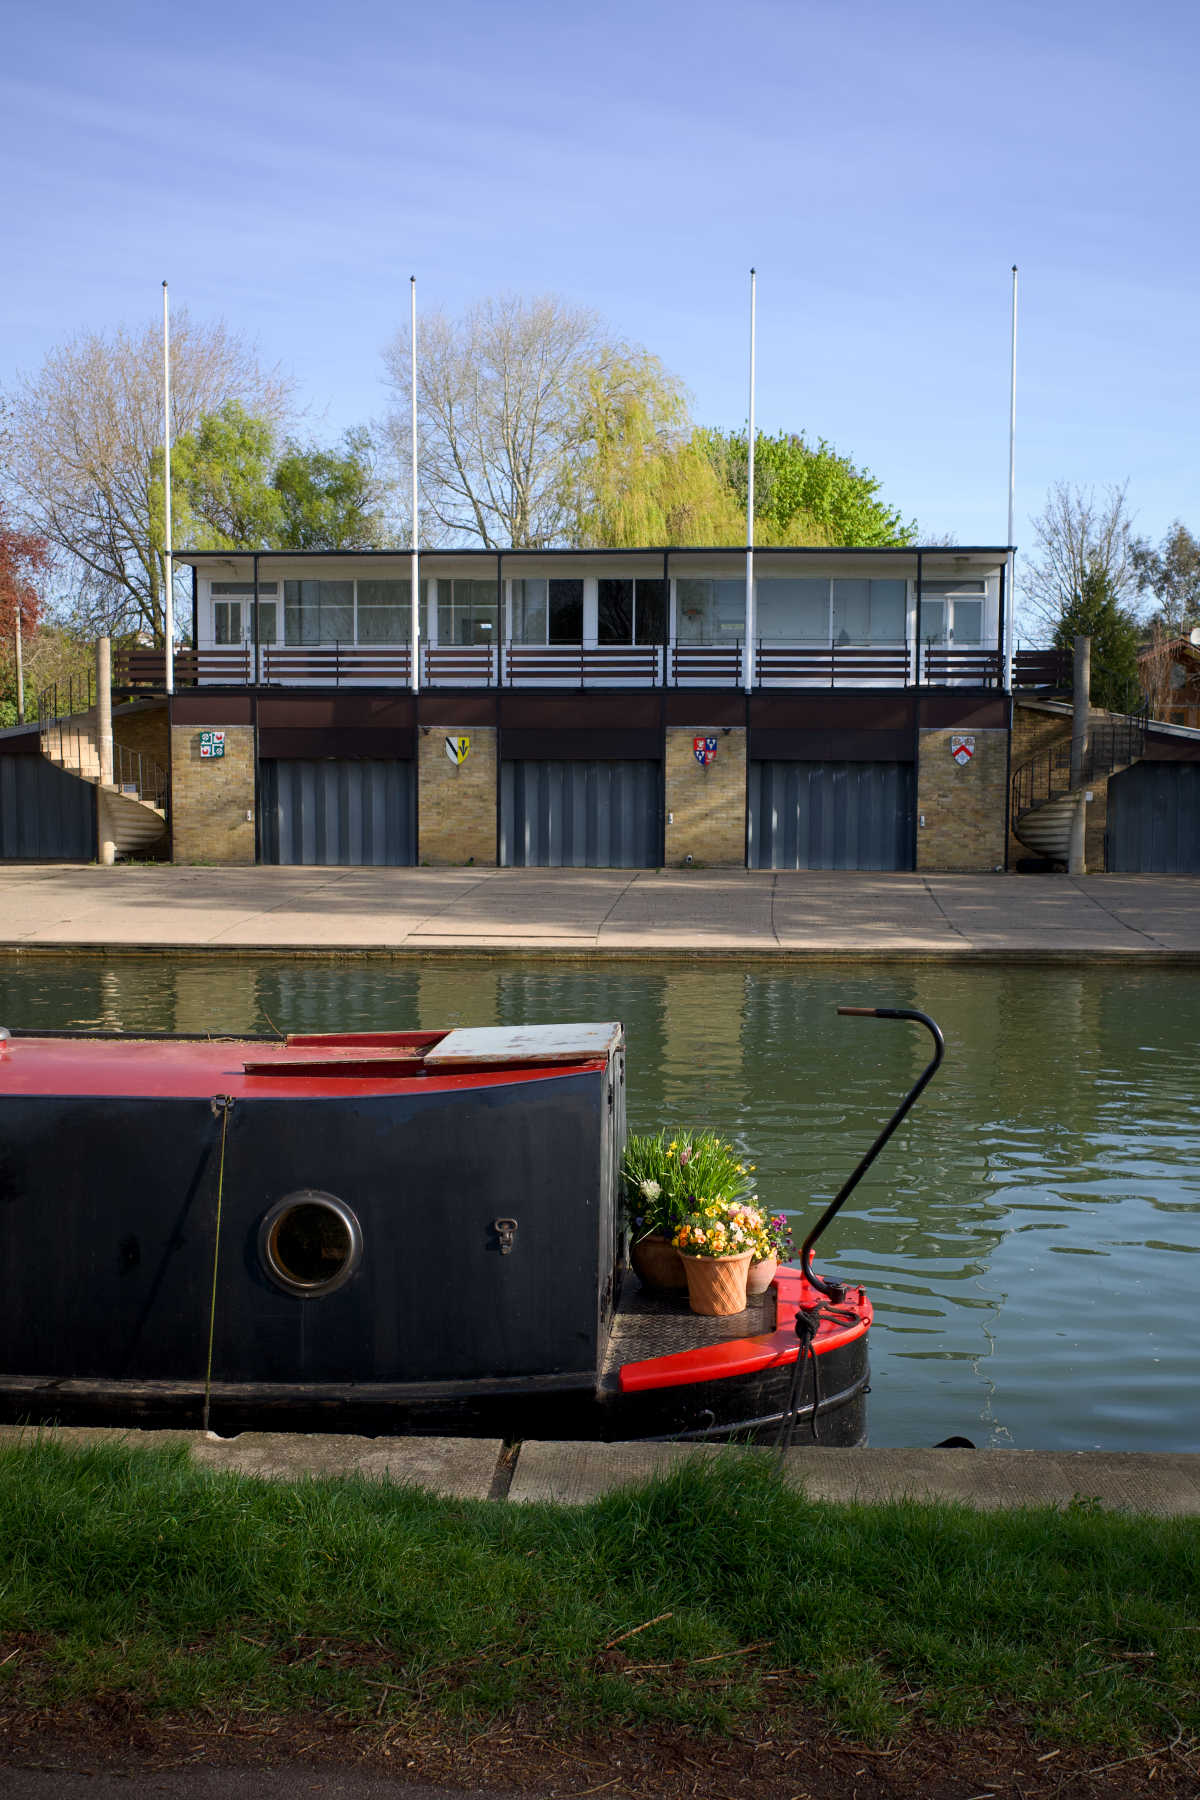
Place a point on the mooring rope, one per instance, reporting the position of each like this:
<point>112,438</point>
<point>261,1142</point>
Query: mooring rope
<point>221,1103</point>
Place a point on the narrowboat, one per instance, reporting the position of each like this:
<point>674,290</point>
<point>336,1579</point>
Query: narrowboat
<point>373,1232</point>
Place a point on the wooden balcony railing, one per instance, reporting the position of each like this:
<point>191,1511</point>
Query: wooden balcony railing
<point>1042,668</point>
<point>576,664</point>
<point>140,668</point>
<point>984,667</point>
<point>830,664</point>
<point>449,665</point>
<point>334,665</point>
<point>712,665</point>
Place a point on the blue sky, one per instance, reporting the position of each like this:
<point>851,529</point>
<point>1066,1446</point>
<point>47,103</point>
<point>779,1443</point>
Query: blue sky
<point>288,167</point>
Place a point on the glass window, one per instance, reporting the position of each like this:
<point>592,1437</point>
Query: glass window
<point>384,612</point>
<point>566,612</point>
<point>650,612</point>
<point>796,610</point>
<point>244,588</point>
<point>227,621</point>
<point>710,612</point>
<point>933,620</point>
<point>318,612</point>
<point>851,612</point>
<point>467,612</point>
<point>614,615</point>
<point>889,608</point>
<point>527,618</point>
<point>228,618</point>
<point>968,621</point>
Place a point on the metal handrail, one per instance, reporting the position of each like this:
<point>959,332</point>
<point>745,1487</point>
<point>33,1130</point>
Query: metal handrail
<point>148,779</point>
<point>1112,743</point>
<point>833,1290</point>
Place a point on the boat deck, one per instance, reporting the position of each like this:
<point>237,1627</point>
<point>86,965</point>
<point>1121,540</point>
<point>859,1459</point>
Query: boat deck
<point>646,1325</point>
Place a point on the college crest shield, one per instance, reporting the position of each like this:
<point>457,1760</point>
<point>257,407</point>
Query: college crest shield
<point>458,749</point>
<point>705,750</point>
<point>962,749</point>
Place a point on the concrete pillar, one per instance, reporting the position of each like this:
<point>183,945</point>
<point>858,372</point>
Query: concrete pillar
<point>104,750</point>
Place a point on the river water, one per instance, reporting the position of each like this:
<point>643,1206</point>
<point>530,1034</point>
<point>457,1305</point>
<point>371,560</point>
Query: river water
<point>1030,1237</point>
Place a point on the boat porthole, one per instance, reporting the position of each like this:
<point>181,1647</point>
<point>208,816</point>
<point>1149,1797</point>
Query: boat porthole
<point>310,1243</point>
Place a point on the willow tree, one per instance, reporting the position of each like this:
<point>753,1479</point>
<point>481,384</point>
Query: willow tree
<point>507,400</point>
<point>645,479</point>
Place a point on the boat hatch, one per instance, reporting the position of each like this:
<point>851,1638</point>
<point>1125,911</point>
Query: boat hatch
<point>412,1053</point>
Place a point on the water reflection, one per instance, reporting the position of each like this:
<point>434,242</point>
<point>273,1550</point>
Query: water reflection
<point>1027,1237</point>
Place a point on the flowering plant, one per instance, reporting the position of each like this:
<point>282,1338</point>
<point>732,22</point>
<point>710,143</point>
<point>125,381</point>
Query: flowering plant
<point>666,1175</point>
<point>720,1228</point>
<point>775,1239</point>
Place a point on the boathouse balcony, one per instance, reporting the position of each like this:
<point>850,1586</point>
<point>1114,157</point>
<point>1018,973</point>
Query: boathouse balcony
<point>555,620</point>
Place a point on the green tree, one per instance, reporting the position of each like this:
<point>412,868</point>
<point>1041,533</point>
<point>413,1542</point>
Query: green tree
<point>644,478</point>
<point>330,499</point>
<point>1170,576</point>
<point>1094,611</point>
<point>222,496</point>
<point>805,494</point>
<point>234,489</point>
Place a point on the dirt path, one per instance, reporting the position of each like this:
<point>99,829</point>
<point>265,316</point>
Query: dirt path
<point>97,1751</point>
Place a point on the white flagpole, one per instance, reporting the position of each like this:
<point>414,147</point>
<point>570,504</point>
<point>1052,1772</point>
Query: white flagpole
<point>750,621</point>
<point>169,567</point>
<point>1010,622</point>
<point>414,560</point>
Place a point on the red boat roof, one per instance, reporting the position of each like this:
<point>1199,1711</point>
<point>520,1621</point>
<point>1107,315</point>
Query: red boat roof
<point>325,1065</point>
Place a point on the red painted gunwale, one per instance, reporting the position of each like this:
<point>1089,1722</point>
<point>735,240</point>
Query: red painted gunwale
<point>323,1068</point>
<point>749,1355</point>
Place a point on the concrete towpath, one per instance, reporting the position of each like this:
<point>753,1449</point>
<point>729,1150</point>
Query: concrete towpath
<point>589,912</point>
<point>1162,1484</point>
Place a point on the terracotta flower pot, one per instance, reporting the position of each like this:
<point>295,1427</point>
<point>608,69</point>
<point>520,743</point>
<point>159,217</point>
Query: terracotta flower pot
<point>761,1275</point>
<point>657,1263</point>
<point>716,1284</point>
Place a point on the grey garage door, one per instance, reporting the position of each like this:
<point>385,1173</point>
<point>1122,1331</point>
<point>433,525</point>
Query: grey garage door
<point>580,815</point>
<point>44,812</point>
<point>1154,819</point>
<point>353,813</point>
<point>831,815</point>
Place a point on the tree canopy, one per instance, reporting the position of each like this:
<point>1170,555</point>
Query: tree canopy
<point>1094,611</point>
<point>85,437</point>
<point>804,493</point>
<point>508,400</point>
<point>1169,577</point>
<point>234,488</point>
<point>1079,536</point>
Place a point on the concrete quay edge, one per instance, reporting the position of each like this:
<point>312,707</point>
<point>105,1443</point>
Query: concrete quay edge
<point>583,952</point>
<point>1154,1484</point>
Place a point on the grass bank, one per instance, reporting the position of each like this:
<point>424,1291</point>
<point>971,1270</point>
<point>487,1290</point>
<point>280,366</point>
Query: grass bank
<point>699,1600</point>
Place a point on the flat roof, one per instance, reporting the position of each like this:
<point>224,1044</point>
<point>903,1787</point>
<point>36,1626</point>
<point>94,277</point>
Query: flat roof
<point>647,561</point>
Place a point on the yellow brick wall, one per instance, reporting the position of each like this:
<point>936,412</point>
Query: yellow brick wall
<point>457,804</point>
<point>147,733</point>
<point>706,807</point>
<point>210,798</point>
<point>963,807</point>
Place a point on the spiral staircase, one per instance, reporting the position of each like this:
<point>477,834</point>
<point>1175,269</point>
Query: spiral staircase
<point>1044,795</point>
<point>134,802</point>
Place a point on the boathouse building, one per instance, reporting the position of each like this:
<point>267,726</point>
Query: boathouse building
<point>588,709</point>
